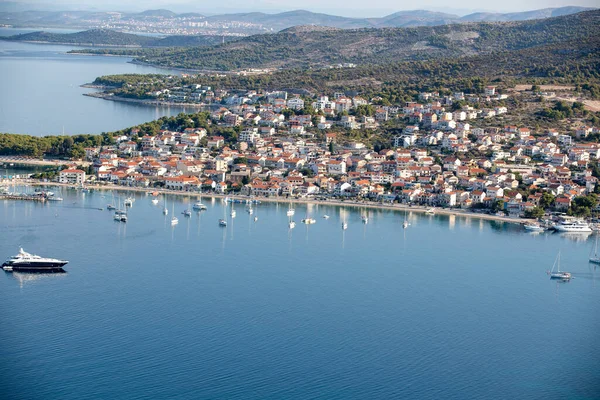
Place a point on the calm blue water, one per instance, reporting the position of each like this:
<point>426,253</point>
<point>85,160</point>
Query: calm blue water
<point>449,308</point>
<point>41,91</point>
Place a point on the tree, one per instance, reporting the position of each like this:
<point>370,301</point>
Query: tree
<point>546,200</point>
<point>498,205</point>
<point>536,212</point>
<point>331,147</point>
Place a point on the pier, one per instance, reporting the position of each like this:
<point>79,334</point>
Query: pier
<point>29,197</point>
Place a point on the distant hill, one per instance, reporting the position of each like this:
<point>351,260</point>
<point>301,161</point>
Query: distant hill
<point>274,22</point>
<point>107,37</point>
<point>93,37</point>
<point>310,47</point>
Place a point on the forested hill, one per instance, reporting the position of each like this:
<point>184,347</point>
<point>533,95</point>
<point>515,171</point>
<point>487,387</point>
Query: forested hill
<point>107,37</point>
<point>318,47</point>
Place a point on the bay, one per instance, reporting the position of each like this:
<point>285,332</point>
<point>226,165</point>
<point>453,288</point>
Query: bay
<point>42,93</point>
<point>449,308</point>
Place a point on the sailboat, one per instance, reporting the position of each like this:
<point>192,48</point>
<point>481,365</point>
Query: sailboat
<point>565,276</point>
<point>174,219</point>
<point>595,258</point>
<point>290,212</point>
<point>405,224</point>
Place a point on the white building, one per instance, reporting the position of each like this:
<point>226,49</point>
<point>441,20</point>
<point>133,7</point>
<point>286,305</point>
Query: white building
<point>73,176</point>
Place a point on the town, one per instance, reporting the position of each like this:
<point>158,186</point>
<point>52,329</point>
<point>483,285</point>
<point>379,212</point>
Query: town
<point>442,159</point>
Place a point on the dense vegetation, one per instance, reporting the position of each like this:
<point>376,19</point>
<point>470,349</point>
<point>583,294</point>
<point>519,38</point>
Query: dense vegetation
<point>50,146</point>
<point>107,37</point>
<point>575,63</point>
<point>305,48</point>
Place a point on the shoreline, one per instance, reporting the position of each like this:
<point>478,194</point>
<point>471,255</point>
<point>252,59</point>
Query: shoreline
<point>40,162</point>
<point>111,97</point>
<point>336,203</point>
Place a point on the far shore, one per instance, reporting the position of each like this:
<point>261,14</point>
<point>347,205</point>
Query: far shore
<point>339,203</point>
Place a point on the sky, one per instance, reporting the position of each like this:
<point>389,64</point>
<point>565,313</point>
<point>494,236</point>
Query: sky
<point>350,8</point>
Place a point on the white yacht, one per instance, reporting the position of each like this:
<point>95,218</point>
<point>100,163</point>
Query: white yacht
<point>165,211</point>
<point>233,214</point>
<point>155,201</point>
<point>250,210</point>
<point>292,225</point>
<point>187,213</point>
<point>222,222</point>
<point>174,220</point>
<point>430,211</point>
<point>576,226</point>
<point>30,262</point>
<point>129,202</point>
<point>344,226</point>
<point>405,224</point>
<point>290,212</point>
<point>365,219</point>
<point>326,216</point>
<point>308,221</point>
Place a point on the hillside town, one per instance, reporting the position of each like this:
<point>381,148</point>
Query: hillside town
<point>442,159</point>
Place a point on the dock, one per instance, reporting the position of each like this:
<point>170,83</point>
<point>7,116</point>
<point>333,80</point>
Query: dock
<point>27,197</point>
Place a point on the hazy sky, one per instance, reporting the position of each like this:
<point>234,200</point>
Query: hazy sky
<point>354,8</point>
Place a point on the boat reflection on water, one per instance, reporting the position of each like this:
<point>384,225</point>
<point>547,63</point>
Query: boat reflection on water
<point>575,236</point>
<point>30,278</point>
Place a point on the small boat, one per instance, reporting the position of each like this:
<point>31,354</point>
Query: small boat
<point>290,212</point>
<point>365,219</point>
<point>326,216</point>
<point>561,275</point>
<point>344,226</point>
<point>595,258</point>
<point>129,202</point>
<point>292,225</point>
<point>405,224</point>
<point>120,215</point>
<point>174,220</point>
<point>165,211</point>
<point>430,211</point>
<point>187,213</point>
<point>155,201</point>
<point>534,227</point>
<point>308,221</point>
<point>222,222</point>
<point>111,207</point>
<point>233,214</point>
<point>199,206</point>
<point>255,219</point>
<point>54,198</point>
<point>250,210</point>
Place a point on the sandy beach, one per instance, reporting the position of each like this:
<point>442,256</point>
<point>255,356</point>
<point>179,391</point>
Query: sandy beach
<point>345,203</point>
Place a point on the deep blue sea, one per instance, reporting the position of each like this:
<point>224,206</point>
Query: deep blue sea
<point>450,308</point>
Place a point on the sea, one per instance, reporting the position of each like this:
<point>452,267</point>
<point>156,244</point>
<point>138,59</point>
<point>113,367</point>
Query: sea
<point>42,93</point>
<point>448,308</point>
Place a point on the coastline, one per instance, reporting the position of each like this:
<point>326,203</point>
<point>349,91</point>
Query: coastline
<point>21,160</point>
<point>108,96</point>
<point>336,203</point>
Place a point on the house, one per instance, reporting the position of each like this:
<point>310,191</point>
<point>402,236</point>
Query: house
<point>72,176</point>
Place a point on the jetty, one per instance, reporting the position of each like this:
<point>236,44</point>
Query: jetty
<point>28,197</point>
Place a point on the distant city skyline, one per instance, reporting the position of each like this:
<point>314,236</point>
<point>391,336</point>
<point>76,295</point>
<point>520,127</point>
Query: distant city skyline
<point>347,8</point>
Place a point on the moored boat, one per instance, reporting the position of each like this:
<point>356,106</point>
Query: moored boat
<point>222,222</point>
<point>575,226</point>
<point>308,221</point>
<point>534,227</point>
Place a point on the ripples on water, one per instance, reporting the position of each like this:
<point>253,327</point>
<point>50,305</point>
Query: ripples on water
<point>448,308</point>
